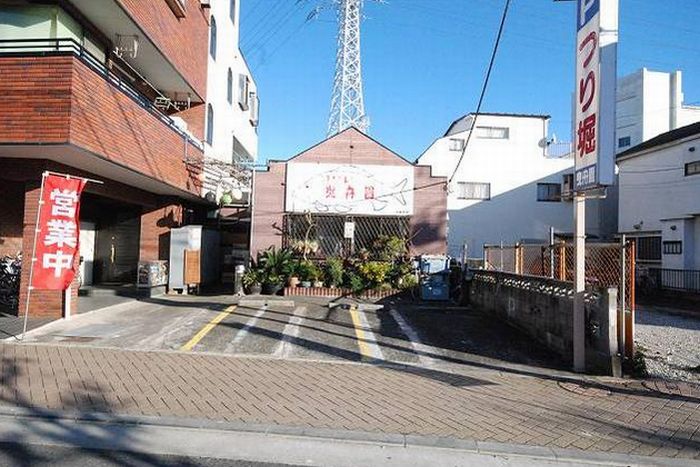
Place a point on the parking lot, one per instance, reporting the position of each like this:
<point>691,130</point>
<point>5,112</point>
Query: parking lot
<point>391,330</point>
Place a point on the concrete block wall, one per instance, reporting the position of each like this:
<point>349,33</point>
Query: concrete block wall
<point>543,309</point>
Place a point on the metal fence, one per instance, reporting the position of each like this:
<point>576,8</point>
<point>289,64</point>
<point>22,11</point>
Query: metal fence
<point>681,280</point>
<point>604,264</point>
<point>324,235</point>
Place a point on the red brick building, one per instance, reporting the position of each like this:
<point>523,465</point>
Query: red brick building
<point>349,179</point>
<point>72,104</point>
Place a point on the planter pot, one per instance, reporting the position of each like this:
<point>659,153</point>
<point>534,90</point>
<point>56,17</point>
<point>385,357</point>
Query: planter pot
<point>306,284</point>
<point>255,289</point>
<point>271,289</point>
<point>318,284</point>
<point>293,281</point>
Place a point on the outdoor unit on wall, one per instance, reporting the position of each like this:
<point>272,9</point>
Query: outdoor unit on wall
<point>236,197</point>
<point>243,94</point>
<point>205,3</point>
<point>568,186</point>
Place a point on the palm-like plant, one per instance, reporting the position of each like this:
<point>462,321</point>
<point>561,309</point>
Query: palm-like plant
<point>276,264</point>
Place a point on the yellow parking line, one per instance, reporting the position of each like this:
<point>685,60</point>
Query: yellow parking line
<point>208,327</point>
<point>361,338</point>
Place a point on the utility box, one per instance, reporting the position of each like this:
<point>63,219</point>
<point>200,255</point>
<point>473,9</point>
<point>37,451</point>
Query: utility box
<point>193,246</point>
<point>434,277</point>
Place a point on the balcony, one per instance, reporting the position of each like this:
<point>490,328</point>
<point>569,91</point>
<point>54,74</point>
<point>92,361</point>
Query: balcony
<point>62,99</point>
<point>559,149</point>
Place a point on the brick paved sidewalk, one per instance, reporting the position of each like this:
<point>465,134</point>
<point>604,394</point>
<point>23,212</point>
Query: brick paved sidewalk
<point>476,403</point>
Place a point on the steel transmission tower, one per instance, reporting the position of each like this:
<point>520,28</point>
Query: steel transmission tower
<point>347,102</point>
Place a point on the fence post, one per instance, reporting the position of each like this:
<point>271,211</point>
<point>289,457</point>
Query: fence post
<point>610,307</point>
<point>485,253</point>
<point>623,290</point>
<point>562,261</point>
<point>551,252</point>
<point>629,317</point>
<point>501,268</point>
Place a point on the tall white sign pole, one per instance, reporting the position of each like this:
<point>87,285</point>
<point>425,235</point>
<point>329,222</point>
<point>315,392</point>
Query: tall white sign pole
<point>594,134</point>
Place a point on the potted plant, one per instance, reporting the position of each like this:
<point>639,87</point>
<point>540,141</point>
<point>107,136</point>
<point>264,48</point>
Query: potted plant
<point>315,275</point>
<point>334,272</point>
<point>276,266</point>
<point>304,271</point>
<point>252,281</point>
<point>293,280</point>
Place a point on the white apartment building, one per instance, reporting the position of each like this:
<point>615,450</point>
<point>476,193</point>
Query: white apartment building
<point>232,106</point>
<point>510,184</point>
<point>659,198</point>
<point>650,103</point>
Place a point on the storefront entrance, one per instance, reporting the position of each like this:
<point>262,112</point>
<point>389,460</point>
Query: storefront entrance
<point>116,235</point>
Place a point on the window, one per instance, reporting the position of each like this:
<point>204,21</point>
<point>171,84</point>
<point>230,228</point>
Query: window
<point>673,248</point>
<point>232,11</point>
<point>472,190</point>
<point>692,168</point>
<point>243,97</point>
<point>229,88</point>
<point>549,192</point>
<point>624,142</point>
<point>456,144</point>
<point>254,109</point>
<point>492,132</point>
<point>212,39</point>
<point>649,248</point>
<point>210,124</point>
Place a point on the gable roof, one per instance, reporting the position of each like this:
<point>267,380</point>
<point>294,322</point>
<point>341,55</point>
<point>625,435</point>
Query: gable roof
<point>664,138</point>
<point>354,136</point>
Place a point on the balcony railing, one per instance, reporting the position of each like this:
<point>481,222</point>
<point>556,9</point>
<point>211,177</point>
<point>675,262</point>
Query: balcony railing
<point>683,280</point>
<point>67,46</point>
<point>559,149</point>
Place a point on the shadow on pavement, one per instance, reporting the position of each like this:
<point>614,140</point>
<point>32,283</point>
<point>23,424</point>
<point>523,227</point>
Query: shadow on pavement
<point>88,400</point>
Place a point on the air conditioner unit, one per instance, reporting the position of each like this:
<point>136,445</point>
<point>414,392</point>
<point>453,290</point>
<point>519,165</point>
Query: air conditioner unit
<point>205,3</point>
<point>567,191</point>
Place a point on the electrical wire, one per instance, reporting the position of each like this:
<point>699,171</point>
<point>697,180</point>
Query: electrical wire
<point>484,87</point>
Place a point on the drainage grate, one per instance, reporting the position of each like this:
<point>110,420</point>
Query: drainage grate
<point>673,388</point>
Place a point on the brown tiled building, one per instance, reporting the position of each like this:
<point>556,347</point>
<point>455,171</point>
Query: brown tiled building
<point>348,179</point>
<point>90,89</point>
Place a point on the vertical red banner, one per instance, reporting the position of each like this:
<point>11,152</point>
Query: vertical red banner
<point>58,231</point>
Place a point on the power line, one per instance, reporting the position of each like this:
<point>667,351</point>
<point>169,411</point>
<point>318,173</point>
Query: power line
<point>483,88</point>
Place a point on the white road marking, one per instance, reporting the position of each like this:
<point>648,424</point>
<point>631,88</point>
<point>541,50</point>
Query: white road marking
<point>291,331</point>
<point>418,347</point>
<point>244,330</point>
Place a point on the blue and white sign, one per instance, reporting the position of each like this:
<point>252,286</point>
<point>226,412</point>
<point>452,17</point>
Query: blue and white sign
<point>596,69</point>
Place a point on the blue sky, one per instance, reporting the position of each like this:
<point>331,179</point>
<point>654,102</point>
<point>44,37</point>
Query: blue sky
<point>424,61</point>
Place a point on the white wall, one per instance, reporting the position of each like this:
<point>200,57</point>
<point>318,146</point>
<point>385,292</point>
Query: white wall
<point>655,195</point>
<point>229,118</point>
<point>513,167</point>
<point>650,103</point>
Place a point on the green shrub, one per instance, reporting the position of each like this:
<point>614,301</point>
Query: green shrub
<point>374,273</point>
<point>334,271</point>
<point>407,281</point>
<point>252,276</point>
<point>354,282</point>
<point>389,247</point>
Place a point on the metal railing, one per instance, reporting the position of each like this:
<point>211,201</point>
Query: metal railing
<point>68,46</point>
<point>682,280</point>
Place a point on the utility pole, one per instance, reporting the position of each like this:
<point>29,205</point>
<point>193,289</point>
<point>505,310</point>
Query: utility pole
<point>347,101</point>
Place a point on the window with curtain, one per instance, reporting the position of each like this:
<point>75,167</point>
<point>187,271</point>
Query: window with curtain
<point>243,97</point>
<point>229,88</point>
<point>212,39</point>
<point>473,190</point>
<point>210,124</point>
